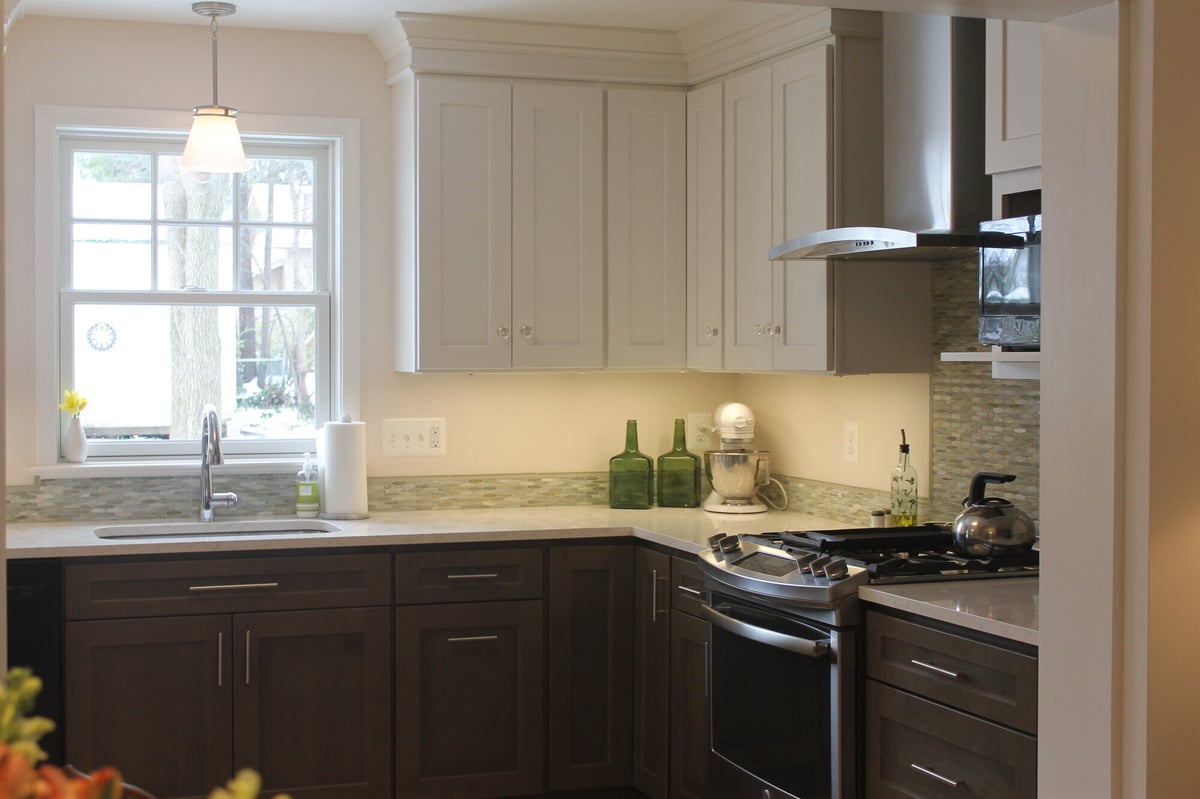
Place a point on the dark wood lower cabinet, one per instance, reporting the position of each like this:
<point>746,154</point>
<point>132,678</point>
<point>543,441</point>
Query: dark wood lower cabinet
<point>152,698</point>
<point>312,701</point>
<point>590,656</point>
<point>178,704</point>
<point>651,672</point>
<point>690,740</point>
<point>469,711</point>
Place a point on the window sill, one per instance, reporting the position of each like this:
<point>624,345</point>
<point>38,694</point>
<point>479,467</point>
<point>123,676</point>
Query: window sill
<point>105,467</point>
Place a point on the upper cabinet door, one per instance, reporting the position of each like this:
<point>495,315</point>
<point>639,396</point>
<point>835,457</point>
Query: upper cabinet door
<point>646,265</point>
<point>705,226</point>
<point>802,141</point>
<point>748,322</point>
<point>464,189</point>
<point>1014,95</point>
<point>558,227</point>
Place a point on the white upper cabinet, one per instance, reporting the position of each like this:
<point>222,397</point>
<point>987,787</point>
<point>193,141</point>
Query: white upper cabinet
<point>1014,95</point>
<point>558,227</point>
<point>705,227</point>
<point>646,264</point>
<point>459,290</point>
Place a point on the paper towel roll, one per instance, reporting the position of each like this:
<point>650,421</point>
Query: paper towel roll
<point>342,469</point>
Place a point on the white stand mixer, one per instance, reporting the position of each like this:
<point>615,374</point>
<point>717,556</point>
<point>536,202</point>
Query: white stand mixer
<point>736,472</point>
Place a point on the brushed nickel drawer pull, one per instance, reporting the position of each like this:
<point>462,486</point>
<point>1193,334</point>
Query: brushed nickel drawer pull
<point>220,660</point>
<point>954,675</point>
<point>934,775</point>
<point>687,589</point>
<point>654,580</point>
<point>232,587</point>
<point>247,657</point>
<point>481,576</point>
<point>469,638</point>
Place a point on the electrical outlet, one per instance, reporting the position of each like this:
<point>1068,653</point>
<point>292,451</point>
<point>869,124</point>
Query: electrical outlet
<point>699,431</point>
<point>850,442</point>
<point>414,437</point>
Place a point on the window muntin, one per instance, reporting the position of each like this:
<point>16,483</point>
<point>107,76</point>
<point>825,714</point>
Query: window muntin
<point>181,289</point>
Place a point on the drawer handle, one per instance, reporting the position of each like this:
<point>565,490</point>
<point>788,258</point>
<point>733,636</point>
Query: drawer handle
<point>220,660</point>
<point>696,592</point>
<point>934,775</point>
<point>487,576</point>
<point>655,612</point>
<point>463,639</point>
<point>232,587</point>
<point>954,675</point>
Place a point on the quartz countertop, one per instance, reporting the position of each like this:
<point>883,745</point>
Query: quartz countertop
<point>1006,607</point>
<point>1003,606</point>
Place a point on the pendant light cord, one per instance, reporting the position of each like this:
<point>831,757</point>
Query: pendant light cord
<point>214,58</point>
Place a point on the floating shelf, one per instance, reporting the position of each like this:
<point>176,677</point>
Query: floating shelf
<point>1005,364</point>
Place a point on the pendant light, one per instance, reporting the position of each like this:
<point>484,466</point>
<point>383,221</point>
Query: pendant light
<point>214,145</point>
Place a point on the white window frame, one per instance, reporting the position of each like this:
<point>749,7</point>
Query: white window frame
<point>53,124</point>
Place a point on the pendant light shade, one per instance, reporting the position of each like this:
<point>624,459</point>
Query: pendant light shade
<point>214,144</point>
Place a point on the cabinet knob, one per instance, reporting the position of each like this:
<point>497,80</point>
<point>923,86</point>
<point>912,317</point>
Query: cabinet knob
<point>526,331</point>
<point>711,332</point>
<point>775,330</point>
<point>502,332</point>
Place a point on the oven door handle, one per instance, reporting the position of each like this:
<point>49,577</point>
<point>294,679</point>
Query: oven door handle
<point>792,643</point>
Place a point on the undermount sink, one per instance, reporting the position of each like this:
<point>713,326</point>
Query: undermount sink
<point>209,529</point>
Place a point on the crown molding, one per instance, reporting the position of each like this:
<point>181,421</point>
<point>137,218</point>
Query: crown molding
<point>453,45</point>
<point>475,46</point>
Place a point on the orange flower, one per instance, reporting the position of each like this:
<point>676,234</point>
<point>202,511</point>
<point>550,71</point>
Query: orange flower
<point>103,783</point>
<point>53,784</point>
<point>17,777</point>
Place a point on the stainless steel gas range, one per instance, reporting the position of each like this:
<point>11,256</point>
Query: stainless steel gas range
<point>785,650</point>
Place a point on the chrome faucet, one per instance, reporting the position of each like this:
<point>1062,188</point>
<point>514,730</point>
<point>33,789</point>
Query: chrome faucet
<point>210,455</point>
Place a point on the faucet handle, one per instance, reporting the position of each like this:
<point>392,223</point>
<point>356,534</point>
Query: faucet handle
<point>226,499</point>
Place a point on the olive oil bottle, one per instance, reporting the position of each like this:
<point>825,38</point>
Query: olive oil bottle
<point>904,489</point>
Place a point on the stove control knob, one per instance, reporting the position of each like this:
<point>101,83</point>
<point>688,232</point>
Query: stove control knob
<point>730,543</point>
<point>802,561</point>
<point>837,569</point>
<point>817,567</point>
<point>714,541</point>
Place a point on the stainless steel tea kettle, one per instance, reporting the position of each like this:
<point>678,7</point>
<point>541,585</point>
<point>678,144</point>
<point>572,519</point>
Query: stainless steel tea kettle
<point>991,525</point>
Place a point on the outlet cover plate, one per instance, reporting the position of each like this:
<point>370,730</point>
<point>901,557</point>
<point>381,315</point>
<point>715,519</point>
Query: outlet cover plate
<point>414,437</point>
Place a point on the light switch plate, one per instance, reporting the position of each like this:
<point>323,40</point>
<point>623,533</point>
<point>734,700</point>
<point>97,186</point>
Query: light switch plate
<point>414,437</point>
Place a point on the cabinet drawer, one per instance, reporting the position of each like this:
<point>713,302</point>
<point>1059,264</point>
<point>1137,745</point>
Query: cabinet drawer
<point>980,678</point>
<point>468,575</point>
<point>225,585</point>
<point>687,585</point>
<point>917,749</point>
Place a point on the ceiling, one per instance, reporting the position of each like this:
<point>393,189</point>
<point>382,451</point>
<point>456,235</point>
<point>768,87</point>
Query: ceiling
<point>362,16</point>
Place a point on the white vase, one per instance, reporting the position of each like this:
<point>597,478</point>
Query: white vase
<point>75,447</point>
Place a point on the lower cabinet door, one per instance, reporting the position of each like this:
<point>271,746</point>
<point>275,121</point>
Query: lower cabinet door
<point>651,672</point>
<point>919,749</point>
<point>469,709</point>
<point>151,697</point>
<point>312,701</point>
<point>690,740</point>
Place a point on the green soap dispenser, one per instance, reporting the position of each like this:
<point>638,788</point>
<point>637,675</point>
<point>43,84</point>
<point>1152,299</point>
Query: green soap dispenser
<point>630,474</point>
<point>308,491</point>
<point>679,474</point>
<point>904,489</point>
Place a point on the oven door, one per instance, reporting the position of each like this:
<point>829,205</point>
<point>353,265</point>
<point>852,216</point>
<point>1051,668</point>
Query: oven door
<point>781,703</point>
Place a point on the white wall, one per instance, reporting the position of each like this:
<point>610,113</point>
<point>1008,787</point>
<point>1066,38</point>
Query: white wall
<point>495,423</point>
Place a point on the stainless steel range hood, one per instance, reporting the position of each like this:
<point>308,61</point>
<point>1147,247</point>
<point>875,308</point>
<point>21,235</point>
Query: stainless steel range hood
<point>935,189</point>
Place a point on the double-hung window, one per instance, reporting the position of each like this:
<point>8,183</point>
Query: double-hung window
<point>179,289</point>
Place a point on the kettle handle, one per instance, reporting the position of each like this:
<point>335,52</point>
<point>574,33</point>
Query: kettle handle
<point>979,484</point>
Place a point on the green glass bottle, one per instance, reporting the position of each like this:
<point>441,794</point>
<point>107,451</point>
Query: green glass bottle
<point>904,489</point>
<point>630,474</point>
<point>679,474</point>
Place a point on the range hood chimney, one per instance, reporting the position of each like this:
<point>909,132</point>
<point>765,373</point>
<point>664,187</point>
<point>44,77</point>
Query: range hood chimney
<point>935,189</point>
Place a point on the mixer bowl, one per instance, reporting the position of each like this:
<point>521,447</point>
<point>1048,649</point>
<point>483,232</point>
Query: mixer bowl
<point>737,474</point>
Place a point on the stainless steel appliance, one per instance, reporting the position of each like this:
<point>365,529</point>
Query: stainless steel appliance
<point>1010,286</point>
<point>784,651</point>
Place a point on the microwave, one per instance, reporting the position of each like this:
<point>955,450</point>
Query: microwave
<point>1010,286</point>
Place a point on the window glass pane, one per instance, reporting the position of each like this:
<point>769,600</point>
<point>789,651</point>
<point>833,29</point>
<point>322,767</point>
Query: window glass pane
<point>192,195</point>
<point>276,259</point>
<point>111,186</point>
<point>278,190</point>
<point>197,257</point>
<point>112,256</point>
<point>148,370</point>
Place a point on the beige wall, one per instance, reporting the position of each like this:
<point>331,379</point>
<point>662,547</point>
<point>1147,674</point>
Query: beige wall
<point>494,423</point>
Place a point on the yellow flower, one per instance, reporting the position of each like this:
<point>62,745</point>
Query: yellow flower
<point>73,402</point>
